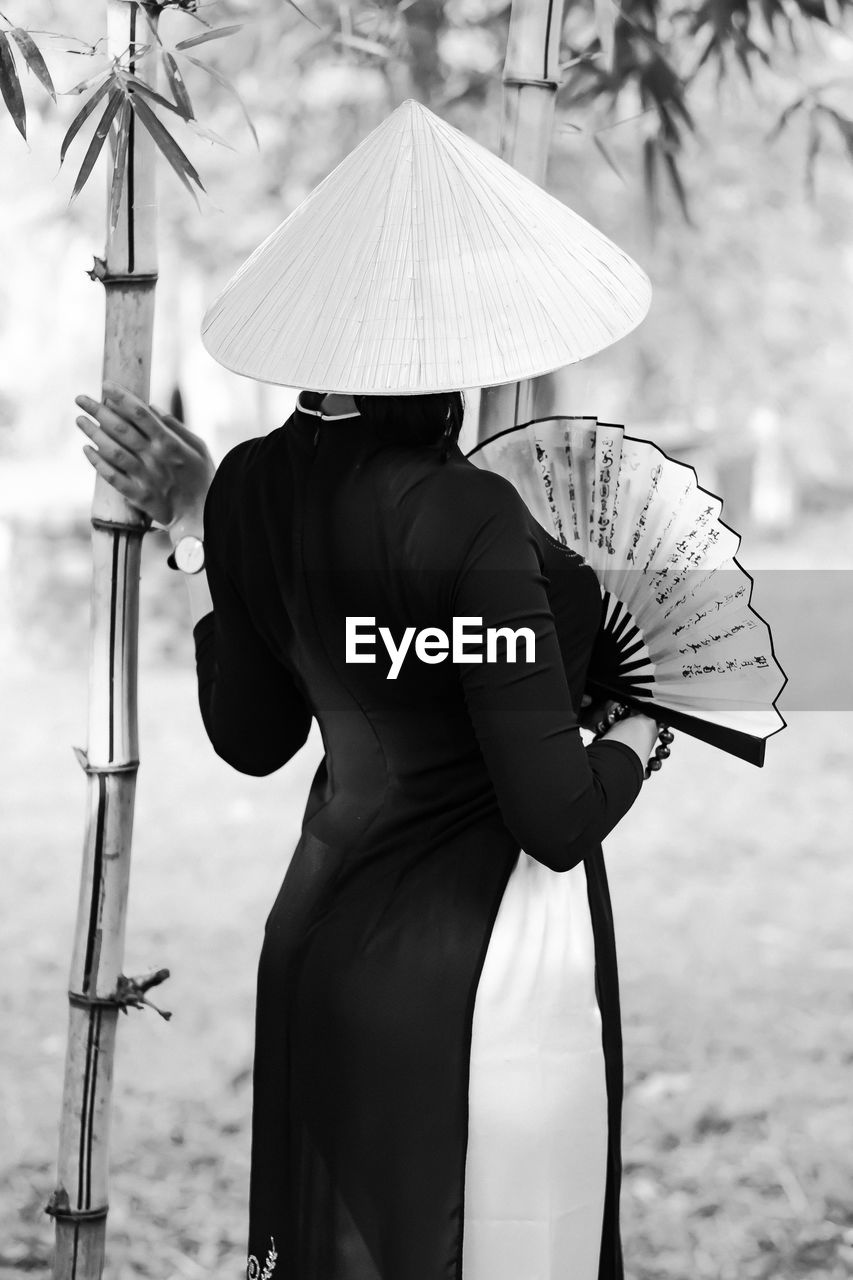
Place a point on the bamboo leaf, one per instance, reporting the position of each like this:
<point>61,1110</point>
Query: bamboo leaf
<point>785,117</point>
<point>112,138</point>
<point>176,84</point>
<point>305,15</point>
<point>88,83</point>
<point>743,58</point>
<point>10,87</point>
<point>361,44</point>
<point>605,151</point>
<point>142,86</point>
<point>678,105</point>
<point>769,12</point>
<point>650,179</point>
<point>83,115</point>
<point>152,20</point>
<point>668,126</point>
<point>166,144</point>
<point>208,134</point>
<point>845,128</point>
<point>710,48</point>
<point>812,151</point>
<point>98,137</point>
<point>120,162</point>
<point>677,185</point>
<point>33,59</point>
<point>225,83</point>
<point>217,33</point>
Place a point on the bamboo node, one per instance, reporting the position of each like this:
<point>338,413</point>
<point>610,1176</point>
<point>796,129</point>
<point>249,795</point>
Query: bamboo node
<point>59,1207</point>
<point>120,526</point>
<point>100,271</point>
<point>523,80</point>
<point>129,993</point>
<point>124,766</point>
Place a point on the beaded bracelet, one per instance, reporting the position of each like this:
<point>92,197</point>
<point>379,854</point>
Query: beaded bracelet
<point>665,736</point>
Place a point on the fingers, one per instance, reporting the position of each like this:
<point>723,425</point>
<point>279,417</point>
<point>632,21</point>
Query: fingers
<point>126,485</point>
<point>182,430</point>
<point>133,409</point>
<point>155,423</point>
<point>151,421</point>
<point>115,421</point>
<point>112,435</point>
<point>150,458</point>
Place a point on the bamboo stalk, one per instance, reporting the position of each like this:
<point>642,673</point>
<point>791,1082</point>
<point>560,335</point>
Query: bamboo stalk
<point>530,83</point>
<point>97,989</point>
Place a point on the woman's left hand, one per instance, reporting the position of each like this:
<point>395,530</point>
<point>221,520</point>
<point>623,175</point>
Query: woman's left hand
<point>594,714</point>
<point>149,457</point>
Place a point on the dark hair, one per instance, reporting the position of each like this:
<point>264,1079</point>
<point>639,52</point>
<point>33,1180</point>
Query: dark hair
<point>414,420</point>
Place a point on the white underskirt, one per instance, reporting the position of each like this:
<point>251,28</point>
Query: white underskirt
<point>537,1130</point>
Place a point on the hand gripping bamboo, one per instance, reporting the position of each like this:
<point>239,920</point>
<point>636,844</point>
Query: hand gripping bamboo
<point>97,987</point>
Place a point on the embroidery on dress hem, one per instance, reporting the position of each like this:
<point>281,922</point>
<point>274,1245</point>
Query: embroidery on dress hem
<point>253,1267</point>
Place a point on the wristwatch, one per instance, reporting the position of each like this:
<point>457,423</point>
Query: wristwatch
<point>187,554</point>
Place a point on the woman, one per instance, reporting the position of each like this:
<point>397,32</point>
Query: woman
<point>437,1081</point>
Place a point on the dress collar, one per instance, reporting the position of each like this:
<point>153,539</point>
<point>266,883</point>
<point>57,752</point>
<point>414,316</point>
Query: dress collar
<point>309,402</point>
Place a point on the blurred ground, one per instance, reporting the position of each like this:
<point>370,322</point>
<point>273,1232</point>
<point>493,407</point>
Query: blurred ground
<point>731,890</point>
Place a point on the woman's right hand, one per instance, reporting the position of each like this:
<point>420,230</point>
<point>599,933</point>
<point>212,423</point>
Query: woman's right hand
<point>149,457</point>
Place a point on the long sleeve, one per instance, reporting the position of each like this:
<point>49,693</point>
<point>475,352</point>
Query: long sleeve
<point>557,797</point>
<point>253,711</point>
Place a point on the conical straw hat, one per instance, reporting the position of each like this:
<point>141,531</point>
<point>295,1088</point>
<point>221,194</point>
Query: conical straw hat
<point>423,263</point>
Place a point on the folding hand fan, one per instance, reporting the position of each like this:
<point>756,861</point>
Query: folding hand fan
<point>679,638</point>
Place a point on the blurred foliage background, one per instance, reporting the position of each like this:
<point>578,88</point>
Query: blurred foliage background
<point>731,887</point>
<point>749,323</point>
<point>713,143</point>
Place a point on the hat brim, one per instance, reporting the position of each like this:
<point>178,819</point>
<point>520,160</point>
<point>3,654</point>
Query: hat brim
<point>423,263</point>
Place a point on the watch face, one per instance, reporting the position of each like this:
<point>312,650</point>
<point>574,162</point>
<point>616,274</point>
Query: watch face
<point>189,553</point>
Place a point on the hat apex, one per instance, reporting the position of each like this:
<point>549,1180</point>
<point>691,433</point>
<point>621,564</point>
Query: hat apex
<point>423,263</point>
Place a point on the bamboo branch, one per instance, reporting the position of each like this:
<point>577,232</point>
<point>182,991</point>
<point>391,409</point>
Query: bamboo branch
<point>530,83</point>
<point>98,989</point>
